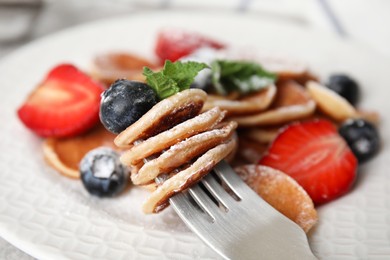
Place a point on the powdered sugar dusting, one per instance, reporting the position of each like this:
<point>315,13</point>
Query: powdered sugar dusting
<point>282,192</point>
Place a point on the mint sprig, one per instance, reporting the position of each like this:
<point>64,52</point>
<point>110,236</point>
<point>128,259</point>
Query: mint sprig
<point>240,76</point>
<point>173,78</point>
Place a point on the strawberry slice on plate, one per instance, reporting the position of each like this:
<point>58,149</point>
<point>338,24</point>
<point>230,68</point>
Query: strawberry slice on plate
<point>173,44</point>
<point>316,156</point>
<point>65,104</point>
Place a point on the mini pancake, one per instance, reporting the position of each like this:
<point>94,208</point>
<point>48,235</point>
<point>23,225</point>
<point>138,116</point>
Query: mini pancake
<point>263,135</point>
<point>184,179</point>
<point>230,157</point>
<point>371,116</point>
<point>164,115</point>
<point>330,103</point>
<point>249,151</point>
<point>175,143</point>
<point>282,192</point>
<point>301,78</point>
<point>256,102</point>
<point>64,155</point>
<point>182,153</point>
<point>150,187</point>
<point>292,102</point>
<point>287,69</point>
<point>157,143</point>
<point>109,67</point>
<point>230,96</point>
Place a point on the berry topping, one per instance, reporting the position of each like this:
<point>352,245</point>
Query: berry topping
<point>124,103</point>
<point>362,137</point>
<point>102,173</point>
<point>175,44</point>
<point>345,87</point>
<point>316,156</point>
<point>65,104</point>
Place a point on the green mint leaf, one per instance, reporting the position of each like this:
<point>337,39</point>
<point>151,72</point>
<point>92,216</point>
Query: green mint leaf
<point>173,78</point>
<point>216,78</point>
<point>240,76</point>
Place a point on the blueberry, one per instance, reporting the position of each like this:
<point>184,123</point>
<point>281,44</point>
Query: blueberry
<point>102,173</point>
<point>345,87</point>
<point>124,103</point>
<point>362,137</point>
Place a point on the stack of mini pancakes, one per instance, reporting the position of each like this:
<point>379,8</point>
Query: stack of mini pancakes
<point>174,145</point>
<point>181,138</point>
<point>261,115</point>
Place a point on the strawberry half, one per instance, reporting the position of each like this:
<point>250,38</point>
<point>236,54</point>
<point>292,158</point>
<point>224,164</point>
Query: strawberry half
<point>174,44</point>
<point>316,156</point>
<point>65,104</point>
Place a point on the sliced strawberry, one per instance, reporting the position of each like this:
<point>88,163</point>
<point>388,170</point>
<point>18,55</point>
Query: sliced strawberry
<point>174,44</point>
<point>65,104</point>
<point>316,156</point>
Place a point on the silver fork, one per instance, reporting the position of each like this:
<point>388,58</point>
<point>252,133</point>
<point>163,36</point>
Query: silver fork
<point>242,226</point>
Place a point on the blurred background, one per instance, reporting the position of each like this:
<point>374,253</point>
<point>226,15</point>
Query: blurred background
<point>362,21</point>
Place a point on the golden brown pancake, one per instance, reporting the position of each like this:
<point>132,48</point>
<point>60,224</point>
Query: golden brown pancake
<point>65,154</point>
<point>172,140</point>
<point>264,135</point>
<point>282,192</point>
<point>182,153</point>
<point>292,102</point>
<point>164,115</point>
<point>249,151</point>
<point>188,177</point>
<point>255,102</point>
<point>109,67</point>
<point>157,143</point>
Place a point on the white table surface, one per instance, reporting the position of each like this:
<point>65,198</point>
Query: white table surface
<point>365,21</point>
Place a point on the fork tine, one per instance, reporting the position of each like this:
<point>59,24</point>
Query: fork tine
<point>241,189</point>
<point>189,213</point>
<point>227,175</point>
<point>217,191</point>
<point>251,229</point>
<point>205,202</point>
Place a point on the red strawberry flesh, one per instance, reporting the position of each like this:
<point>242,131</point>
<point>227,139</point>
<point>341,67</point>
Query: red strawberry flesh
<point>65,104</point>
<point>316,156</point>
<point>175,44</point>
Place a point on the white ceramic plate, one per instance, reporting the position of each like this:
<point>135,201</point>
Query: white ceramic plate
<point>52,217</point>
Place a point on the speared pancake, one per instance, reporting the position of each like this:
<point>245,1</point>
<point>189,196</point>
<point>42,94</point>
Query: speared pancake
<point>164,115</point>
<point>157,143</point>
<point>186,178</point>
<point>182,152</point>
<point>173,140</point>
